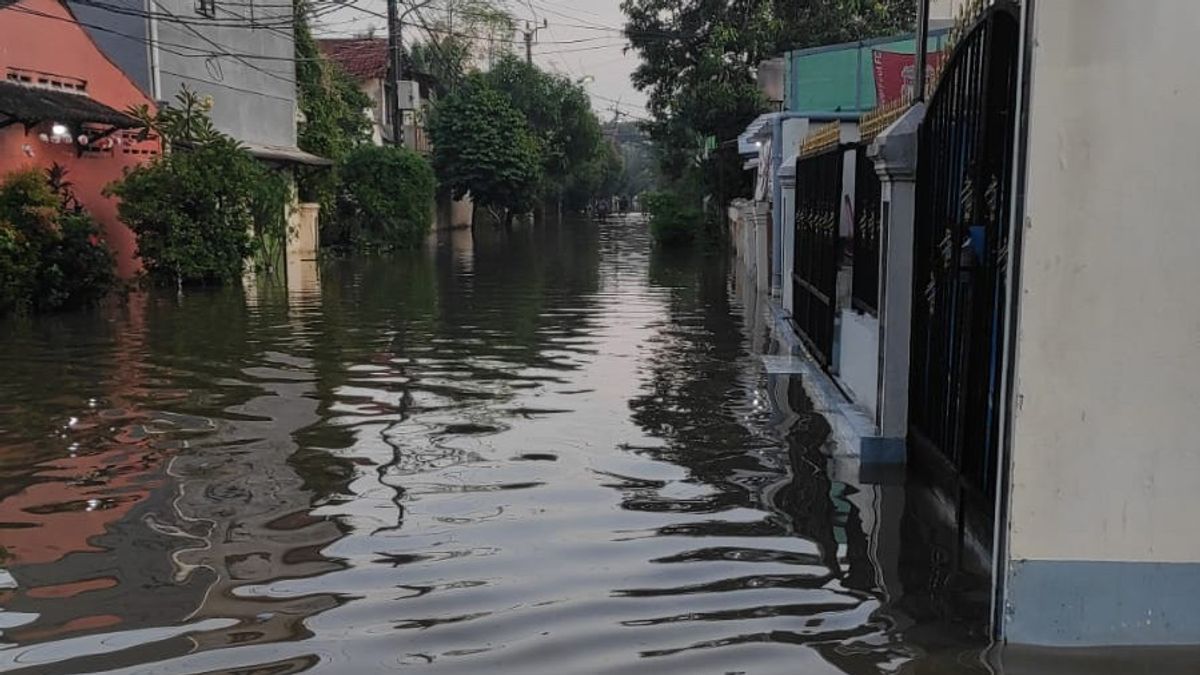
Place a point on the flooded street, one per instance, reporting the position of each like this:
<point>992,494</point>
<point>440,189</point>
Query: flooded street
<point>553,450</point>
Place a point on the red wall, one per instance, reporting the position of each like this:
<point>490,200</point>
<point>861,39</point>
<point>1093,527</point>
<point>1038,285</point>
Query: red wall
<point>61,48</point>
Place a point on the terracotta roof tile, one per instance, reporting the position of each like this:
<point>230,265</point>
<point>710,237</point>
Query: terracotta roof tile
<point>362,58</point>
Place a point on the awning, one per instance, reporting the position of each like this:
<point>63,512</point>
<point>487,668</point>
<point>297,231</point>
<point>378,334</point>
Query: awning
<point>756,131</point>
<point>30,105</point>
<point>285,154</point>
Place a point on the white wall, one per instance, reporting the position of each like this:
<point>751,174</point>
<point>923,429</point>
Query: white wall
<point>858,368</point>
<point>1106,444</point>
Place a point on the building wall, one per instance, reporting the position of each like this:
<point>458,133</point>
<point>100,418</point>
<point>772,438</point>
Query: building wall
<point>945,10</point>
<point>842,77</point>
<point>1103,535</point>
<point>53,44</point>
<point>373,88</point>
<point>254,90</point>
<point>122,36</point>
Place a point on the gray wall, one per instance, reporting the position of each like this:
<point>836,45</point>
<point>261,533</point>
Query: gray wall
<point>244,63</point>
<point>122,37</point>
<point>254,98</point>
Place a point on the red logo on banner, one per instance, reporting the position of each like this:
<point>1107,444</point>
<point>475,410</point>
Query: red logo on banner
<point>895,74</point>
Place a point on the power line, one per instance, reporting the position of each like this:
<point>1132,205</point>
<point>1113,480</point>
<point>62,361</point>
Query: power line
<point>201,53</point>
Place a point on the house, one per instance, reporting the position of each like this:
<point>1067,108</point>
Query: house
<point>238,52</point>
<point>62,102</point>
<point>365,60</point>
<point>967,275</point>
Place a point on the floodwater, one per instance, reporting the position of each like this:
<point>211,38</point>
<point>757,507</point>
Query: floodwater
<point>551,450</point>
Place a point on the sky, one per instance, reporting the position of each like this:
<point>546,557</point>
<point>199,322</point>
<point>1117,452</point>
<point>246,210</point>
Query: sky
<point>582,41</point>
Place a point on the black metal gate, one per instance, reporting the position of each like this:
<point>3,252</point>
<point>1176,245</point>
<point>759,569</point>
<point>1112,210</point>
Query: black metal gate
<point>814,277</point>
<point>964,175</point>
<point>867,189</point>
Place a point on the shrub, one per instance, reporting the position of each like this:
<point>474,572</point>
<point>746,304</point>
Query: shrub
<point>51,253</point>
<point>18,266</point>
<point>675,218</point>
<point>386,201</point>
<point>200,211</point>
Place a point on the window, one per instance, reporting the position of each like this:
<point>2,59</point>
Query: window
<point>206,8</point>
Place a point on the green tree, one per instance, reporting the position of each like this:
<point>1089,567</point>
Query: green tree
<point>600,176</point>
<point>482,146</point>
<point>388,197</point>
<point>699,58</point>
<point>458,34</point>
<point>333,108</point>
<point>560,117</point>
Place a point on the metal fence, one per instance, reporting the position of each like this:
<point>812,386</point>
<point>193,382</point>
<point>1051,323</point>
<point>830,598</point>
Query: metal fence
<point>814,277</point>
<point>964,176</point>
<point>865,246</point>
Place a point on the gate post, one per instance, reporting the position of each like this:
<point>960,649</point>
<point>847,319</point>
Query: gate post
<point>895,155</point>
<point>787,211</point>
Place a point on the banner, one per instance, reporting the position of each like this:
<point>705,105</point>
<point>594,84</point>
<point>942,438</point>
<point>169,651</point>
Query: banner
<point>895,74</point>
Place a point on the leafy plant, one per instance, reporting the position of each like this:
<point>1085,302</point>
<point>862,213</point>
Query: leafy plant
<point>559,114</point>
<point>51,253</point>
<point>333,108</point>
<point>201,210</point>
<point>698,62</point>
<point>387,198</point>
<point>482,146</point>
<point>675,216</point>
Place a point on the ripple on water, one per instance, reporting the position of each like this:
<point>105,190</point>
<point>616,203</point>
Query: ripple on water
<point>544,450</point>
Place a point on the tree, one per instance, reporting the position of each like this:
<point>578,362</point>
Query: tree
<point>699,59</point>
<point>482,146</point>
<point>459,35</point>
<point>560,117</point>
<point>387,201</point>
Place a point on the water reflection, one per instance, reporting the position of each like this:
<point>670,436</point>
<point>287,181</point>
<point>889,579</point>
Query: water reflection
<point>546,450</point>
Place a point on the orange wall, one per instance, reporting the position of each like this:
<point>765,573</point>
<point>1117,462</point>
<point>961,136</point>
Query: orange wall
<point>62,48</point>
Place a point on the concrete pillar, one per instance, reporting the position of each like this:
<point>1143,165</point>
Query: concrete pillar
<point>762,245</point>
<point>1103,539</point>
<point>895,155</point>
<point>787,135</point>
<point>787,211</point>
<point>303,236</point>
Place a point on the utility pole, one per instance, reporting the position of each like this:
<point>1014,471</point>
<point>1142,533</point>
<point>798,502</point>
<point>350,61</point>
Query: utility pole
<point>396,66</point>
<point>394,72</point>
<point>530,35</point>
<point>922,48</point>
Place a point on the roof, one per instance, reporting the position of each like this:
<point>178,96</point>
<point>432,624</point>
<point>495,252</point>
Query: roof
<point>363,58</point>
<point>32,104</point>
<point>285,154</point>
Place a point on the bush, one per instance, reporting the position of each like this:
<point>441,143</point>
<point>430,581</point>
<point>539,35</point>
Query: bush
<point>200,211</point>
<point>386,201</point>
<point>51,253</point>
<point>675,217</point>
<point>18,269</point>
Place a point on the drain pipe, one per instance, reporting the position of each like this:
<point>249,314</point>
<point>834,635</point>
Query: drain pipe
<point>152,53</point>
